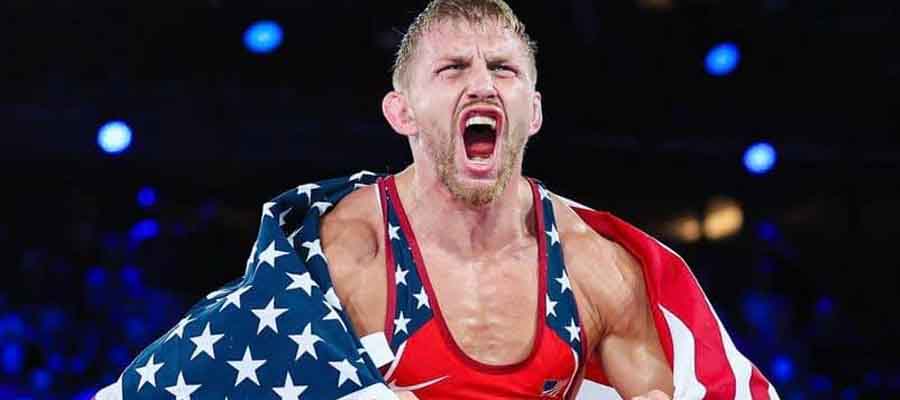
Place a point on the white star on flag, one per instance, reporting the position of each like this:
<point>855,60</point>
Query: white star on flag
<point>307,190</point>
<point>289,391</point>
<point>178,330</point>
<point>148,373</point>
<point>205,343</point>
<point>235,297</point>
<point>357,176</point>
<point>544,193</point>
<point>246,368</point>
<point>267,209</point>
<point>302,281</point>
<point>333,300</point>
<point>422,297</point>
<point>347,371</point>
<point>321,206</point>
<point>269,255</point>
<point>392,231</point>
<point>400,324</point>
<point>182,391</point>
<point>551,307</point>
<point>333,315</point>
<point>268,315</point>
<point>291,238</point>
<point>216,293</point>
<point>554,235</point>
<point>306,342</point>
<point>315,249</point>
<point>252,253</point>
<point>574,331</point>
<point>400,275</point>
<point>564,282</point>
<point>283,214</point>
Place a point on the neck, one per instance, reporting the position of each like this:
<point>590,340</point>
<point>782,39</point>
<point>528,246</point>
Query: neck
<point>439,219</point>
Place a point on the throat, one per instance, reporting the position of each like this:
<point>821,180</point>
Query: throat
<point>479,143</point>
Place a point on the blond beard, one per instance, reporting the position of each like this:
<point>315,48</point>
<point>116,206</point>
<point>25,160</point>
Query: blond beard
<point>442,154</point>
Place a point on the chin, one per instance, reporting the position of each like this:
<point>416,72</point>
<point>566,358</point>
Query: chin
<point>477,192</point>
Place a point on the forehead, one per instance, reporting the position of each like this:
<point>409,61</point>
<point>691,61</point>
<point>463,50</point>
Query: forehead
<point>463,38</point>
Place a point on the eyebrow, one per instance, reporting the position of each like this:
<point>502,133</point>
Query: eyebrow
<point>492,60</point>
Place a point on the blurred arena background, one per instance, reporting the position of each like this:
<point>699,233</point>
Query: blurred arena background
<point>757,138</point>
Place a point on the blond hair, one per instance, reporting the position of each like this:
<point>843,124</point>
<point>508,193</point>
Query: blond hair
<point>476,12</point>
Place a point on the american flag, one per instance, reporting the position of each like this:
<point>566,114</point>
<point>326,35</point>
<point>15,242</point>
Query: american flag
<point>552,387</point>
<point>704,360</point>
<point>280,332</point>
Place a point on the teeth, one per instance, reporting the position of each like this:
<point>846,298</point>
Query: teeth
<point>481,120</point>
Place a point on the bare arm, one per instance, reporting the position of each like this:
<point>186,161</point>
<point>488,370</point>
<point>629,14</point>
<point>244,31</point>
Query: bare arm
<point>630,351</point>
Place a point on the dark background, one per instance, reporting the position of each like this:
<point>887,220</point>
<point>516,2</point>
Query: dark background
<point>633,125</point>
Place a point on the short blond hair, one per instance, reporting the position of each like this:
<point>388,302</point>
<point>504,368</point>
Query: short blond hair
<point>471,11</point>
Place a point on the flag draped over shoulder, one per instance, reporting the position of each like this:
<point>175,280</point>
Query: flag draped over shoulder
<point>280,331</point>
<point>704,361</point>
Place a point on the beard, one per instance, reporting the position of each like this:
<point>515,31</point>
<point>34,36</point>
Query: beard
<point>441,148</point>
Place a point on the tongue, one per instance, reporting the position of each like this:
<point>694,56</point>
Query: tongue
<point>479,144</point>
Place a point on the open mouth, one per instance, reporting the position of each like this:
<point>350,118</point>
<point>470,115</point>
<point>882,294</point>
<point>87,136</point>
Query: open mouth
<point>479,131</point>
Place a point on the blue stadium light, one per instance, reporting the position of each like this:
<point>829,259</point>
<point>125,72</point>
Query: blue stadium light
<point>144,229</point>
<point>767,230</point>
<point>114,137</point>
<point>41,379</point>
<point>782,369</point>
<point>56,362</point>
<point>12,325</point>
<point>758,310</point>
<point>722,59</point>
<point>821,384</point>
<point>78,364</point>
<point>850,393</point>
<point>146,197</point>
<point>759,158</point>
<point>96,277</point>
<point>13,358</point>
<point>118,356</point>
<point>263,37</point>
<point>135,329</point>
<point>872,379</point>
<point>52,320</point>
<point>824,307</point>
<point>131,276</point>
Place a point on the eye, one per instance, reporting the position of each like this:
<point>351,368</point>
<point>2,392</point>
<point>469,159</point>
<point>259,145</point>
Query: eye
<point>505,69</point>
<point>451,67</point>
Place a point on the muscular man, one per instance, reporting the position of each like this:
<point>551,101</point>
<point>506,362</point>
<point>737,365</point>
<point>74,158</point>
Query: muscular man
<point>465,97</point>
<point>457,278</point>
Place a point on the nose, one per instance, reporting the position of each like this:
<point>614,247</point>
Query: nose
<point>481,84</point>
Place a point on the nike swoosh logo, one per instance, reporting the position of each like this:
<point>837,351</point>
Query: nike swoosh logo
<point>418,385</point>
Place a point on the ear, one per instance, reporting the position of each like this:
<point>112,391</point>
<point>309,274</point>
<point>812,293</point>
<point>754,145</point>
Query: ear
<point>537,114</point>
<point>398,113</point>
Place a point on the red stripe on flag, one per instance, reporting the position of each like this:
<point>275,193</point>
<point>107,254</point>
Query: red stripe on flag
<point>670,283</point>
<point>759,386</point>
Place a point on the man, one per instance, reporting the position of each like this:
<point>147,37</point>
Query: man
<point>465,279</point>
<point>464,95</point>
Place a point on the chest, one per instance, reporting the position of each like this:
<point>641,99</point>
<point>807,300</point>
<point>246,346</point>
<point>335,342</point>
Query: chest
<point>489,305</point>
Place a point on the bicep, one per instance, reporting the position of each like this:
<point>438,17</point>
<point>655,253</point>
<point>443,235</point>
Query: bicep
<point>630,350</point>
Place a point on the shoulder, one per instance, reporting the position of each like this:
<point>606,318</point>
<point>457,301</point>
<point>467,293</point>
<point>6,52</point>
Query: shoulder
<point>350,231</point>
<point>610,278</point>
